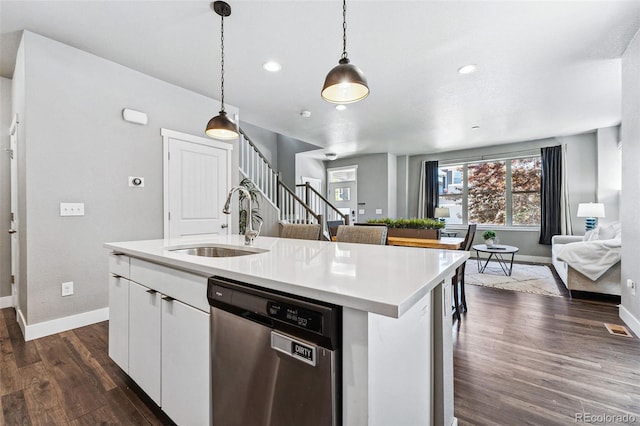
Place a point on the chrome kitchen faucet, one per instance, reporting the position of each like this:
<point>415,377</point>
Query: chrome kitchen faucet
<point>249,234</point>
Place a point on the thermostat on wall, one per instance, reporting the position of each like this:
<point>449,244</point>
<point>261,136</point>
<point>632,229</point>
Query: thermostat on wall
<point>136,181</point>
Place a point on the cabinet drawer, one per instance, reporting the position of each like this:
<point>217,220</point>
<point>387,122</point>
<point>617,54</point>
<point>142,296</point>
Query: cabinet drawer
<point>188,288</point>
<point>119,265</point>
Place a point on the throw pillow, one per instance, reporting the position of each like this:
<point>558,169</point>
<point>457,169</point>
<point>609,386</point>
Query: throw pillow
<point>611,231</point>
<point>591,235</point>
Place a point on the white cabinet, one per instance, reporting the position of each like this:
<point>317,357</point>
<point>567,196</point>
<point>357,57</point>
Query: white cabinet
<point>119,321</point>
<point>185,363</point>
<point>161,342</point>
<point>144,339</point>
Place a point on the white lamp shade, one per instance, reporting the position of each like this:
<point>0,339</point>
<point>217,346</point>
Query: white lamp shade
<point>442,212</point>
<point>590,210</point>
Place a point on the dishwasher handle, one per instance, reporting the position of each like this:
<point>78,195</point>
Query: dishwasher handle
<point>302,351</point>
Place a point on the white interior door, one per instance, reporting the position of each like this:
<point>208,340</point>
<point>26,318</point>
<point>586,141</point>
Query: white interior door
<point>342,190</point>
<point>196,184</point>
<point>13,226</point>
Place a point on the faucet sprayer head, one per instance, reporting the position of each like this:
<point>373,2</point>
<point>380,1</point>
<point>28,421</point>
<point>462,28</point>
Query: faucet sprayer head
<point>226,209</point>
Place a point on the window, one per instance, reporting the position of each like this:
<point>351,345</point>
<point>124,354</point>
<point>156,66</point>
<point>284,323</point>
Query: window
<point>501,193</point>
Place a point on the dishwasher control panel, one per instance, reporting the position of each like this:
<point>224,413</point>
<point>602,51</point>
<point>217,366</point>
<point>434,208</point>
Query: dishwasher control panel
<point>296,315</point>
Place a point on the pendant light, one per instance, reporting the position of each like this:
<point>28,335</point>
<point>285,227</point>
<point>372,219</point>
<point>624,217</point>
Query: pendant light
<point>222,127</point>
<point>345,83</point>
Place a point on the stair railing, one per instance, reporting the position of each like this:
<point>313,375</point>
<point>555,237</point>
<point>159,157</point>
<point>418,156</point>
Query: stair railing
<point>294,210</point>
<point>319,203</point>
<point>254,165</point>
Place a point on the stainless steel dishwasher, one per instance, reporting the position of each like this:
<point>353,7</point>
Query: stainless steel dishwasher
<point>275,358</point>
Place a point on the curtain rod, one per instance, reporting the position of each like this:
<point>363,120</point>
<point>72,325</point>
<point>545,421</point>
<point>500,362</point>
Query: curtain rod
<point>496,156</point>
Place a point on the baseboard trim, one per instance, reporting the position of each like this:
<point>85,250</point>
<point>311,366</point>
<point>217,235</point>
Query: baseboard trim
<point>47,328</point>
<point>6,302</point>
<point>21,321</point>
<point>532,259</point>
<point>629,319</point>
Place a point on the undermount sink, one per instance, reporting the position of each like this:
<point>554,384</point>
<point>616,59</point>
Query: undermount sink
<point>217,251</point>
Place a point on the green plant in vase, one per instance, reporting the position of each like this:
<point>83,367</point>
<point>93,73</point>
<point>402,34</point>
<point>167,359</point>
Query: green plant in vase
<point>489,237</point>
<point>255,195</point>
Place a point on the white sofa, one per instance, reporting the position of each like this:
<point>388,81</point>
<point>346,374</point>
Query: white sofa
<point>606,248</point>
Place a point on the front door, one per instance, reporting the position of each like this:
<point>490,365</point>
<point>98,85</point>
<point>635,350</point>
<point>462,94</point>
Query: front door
<point>13,225</point>
<point>196,184</point>
<point>342,190</point>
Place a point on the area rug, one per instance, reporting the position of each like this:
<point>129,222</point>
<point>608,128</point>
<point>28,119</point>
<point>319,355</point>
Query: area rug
<point>526,278</point>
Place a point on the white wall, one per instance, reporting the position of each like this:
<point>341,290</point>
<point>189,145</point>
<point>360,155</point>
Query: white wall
<point>630,211</point>
<point>609,173</point>
<point>5,177</point>
<point>77,148</point>
<point>402,179</point>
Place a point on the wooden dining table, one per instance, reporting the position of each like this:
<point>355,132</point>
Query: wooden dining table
<point>450,243</point>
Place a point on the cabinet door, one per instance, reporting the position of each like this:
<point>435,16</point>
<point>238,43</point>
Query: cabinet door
<point>186,396</point>
<point>144,339</point>
<point>119,321</point>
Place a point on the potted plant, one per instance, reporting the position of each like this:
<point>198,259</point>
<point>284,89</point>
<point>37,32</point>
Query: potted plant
<point>256,219</point>
<point>489,236</point>
<point>411,228</point>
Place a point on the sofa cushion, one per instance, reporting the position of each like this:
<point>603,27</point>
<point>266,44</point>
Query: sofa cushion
<point>592,235</point>
<point>610,232</point>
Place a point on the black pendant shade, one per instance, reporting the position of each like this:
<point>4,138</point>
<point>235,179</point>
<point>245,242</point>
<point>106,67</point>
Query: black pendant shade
<point>345,84</point>
<point>222,127</point>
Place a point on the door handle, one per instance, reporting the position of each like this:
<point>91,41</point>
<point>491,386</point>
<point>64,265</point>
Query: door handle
<point>12,231</point>
<point>224,225</point>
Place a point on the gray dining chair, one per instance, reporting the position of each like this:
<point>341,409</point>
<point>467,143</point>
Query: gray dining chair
<point>301,231</point>
<point>362,234</point>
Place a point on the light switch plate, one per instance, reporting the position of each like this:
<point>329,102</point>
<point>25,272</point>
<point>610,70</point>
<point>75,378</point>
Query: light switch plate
<point>71,209</point>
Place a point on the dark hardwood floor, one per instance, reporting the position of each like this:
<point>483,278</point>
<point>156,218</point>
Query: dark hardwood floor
<point>525,359</point>
<point>520,359</point>
<point>67,379</point>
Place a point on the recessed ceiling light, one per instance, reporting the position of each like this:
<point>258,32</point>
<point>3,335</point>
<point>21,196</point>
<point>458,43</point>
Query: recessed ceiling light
<point>331,156</point>
<point>467,69</point>
<point>272,66</point>
<point>341,107</point>
<point>305,114</point>
<point>475,127</point>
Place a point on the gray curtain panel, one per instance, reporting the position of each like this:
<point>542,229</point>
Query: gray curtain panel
<point>551,194</point>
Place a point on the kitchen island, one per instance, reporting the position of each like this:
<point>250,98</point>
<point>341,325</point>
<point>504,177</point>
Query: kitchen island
<point>397,363</point>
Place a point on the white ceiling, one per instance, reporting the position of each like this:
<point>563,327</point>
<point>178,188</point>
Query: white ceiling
<point>545,68</point>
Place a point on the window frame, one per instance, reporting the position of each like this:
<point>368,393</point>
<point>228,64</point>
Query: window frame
<point>508,191</point>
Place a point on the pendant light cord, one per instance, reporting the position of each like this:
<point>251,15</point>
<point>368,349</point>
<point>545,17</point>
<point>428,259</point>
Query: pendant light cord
<point>222,62</point>
<point>344,29</point>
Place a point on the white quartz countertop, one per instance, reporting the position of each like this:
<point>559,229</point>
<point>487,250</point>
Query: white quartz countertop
<point>385,280</point>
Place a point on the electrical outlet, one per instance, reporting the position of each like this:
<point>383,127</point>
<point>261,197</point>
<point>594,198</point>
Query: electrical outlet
<point>632,285</point>
<point>67,288</point>
<point>71,209</point>
<point>378,211</point>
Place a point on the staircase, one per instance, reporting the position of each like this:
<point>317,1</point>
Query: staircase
<point>305,205</point>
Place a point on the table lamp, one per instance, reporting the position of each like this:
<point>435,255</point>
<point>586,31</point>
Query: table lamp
<point>592,211</point>
<point>441,213</point>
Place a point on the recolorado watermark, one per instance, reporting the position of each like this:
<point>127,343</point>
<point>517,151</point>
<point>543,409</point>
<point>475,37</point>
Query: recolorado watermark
<point>617,419</point>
